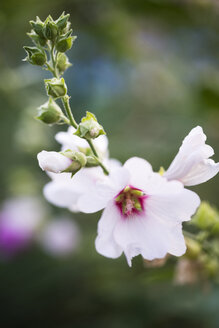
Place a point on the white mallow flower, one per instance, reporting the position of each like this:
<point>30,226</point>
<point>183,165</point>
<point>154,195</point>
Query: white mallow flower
<point>192,165</point>
<point>143,212</point>
<point>70,141</point>
<point>59,237</point>
<point>52,161</point>
<point>64,190</point>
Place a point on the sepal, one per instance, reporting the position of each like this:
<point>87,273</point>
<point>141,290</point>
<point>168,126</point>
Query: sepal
<point>50,29</point>
<point>50,112</point>
<point>35,56</point>
<point>56,88</point>
<point>62,63</point>
<point>37,40</point>
<point>65,43</point>
<point>62,21</point>
<point>79,160</point>
<point>38,26</point>
<point>89,128</point>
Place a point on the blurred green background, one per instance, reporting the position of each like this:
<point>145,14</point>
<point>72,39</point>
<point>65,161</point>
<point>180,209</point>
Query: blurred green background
<point>149,70</point>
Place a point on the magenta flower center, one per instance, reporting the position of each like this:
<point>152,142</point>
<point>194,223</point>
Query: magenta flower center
<point>130,201</point>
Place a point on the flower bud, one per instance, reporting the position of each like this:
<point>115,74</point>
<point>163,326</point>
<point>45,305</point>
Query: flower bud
<point>78,159</point>
<point>50,29</point>
<point>65,44</point>
<point>38,26</point>
<point>62,63</point>
<point>211,265</point>
<point>89,128</point>
<point>56,87</point>
<point>52,161</point>
<point>37,39</point>
<point>62,21</point>
<point>35,56</point>
<point>193,248</point>
<point>206,217</point>
<point>50,112</point>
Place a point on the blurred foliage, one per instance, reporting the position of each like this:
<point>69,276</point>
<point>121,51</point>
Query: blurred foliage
<point>149,70</point>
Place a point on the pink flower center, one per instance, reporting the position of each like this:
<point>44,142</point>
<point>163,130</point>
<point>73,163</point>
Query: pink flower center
<point>130,201</point>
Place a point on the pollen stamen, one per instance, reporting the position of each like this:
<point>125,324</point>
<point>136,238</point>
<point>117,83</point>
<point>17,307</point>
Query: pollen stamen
<point>130,201</point>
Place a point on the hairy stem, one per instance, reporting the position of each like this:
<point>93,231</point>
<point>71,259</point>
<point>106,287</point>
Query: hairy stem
<point>65,102</point>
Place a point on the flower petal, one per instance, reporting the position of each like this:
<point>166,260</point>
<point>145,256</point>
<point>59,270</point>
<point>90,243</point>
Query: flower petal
<point>140,170</point>
<point>96,199</point>
<point>202,172</point>
<point>176,205</point>
<point>190,166</point>
<point>105,242</point>
<point>61,195</point>
<point>70,141</point>
<point>53,161</point>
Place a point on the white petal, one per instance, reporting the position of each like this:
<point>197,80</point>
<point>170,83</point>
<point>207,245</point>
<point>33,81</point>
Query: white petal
<point>105,242</point>
<point>96,199</point>
<point>70,141</point>
<point>53,161</point>
<point>64,190</point>
<point>202,172</point>
<point>140,235</point>
<point>119,178</point>
<point>103,190</point>
<point>148,237</point>
<point>175,205</point>
<point>112,163</point>
<point>61,195</point>
<point>190,166</point>
<point>140,170</point>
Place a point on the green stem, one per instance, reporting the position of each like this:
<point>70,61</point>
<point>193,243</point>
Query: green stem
<point>90,142</point>
<point>50,69</point>
<point>53,61</point>
<point>92,148</point>
<point>65,101</point>
<point>102,166</point>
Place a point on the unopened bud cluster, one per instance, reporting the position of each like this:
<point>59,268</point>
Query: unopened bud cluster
<point>52,38</point>
<point>89,128</point>
<point>50,34</point>
<point>204,249</point>
<point>50,112</point>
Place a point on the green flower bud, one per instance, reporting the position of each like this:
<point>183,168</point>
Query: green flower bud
<point>79,160</point>
<point>65,44</point>
<point>89,128</point>
<point>56,87</point>
<point>50,29</point>
<point>35,56</point>
<point>37,39</point>
<point>62,21</point>
<point>91,162</point>
<point>215,229</point>
<point>38,26</point>
<point>193,248</point>
<point>62,63</point>
<point>50,112</point>
<point>206,217</point>
<point>211,266</point>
